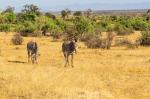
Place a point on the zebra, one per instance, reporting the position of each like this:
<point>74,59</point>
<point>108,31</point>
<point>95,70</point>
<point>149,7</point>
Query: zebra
<point>68,49</point>
<point>32,49</point>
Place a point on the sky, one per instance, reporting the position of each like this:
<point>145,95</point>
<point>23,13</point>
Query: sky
<point>57,5</point>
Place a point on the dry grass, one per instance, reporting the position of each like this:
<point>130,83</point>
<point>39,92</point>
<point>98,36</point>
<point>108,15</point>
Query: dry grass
<point>118,73</point>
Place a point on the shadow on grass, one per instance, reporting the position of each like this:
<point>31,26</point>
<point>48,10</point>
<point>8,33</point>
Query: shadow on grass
<point>19,62</point>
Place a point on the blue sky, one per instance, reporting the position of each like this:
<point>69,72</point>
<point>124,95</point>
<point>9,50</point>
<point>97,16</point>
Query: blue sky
<point>50,5</point>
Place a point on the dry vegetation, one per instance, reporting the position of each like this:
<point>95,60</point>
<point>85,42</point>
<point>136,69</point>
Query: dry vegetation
<point>119,73</point>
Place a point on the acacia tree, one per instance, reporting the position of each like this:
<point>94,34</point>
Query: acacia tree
<point>65,13</point>
<point>28,9</point>
<point>88,13</point>
<point>77,14</point>
<point>9,9</point>
<point>68,12</point>
<point>50,15</point>
<point>148,11</point>
<point>8,15</point>
<point>29,13</point>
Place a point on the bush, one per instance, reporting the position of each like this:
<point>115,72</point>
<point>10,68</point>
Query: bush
<point>27,29</point>
<point>17,39</point>
<point>131,45</point>
<point>5,27</point>
<point>62,24</point>
<point>109,39</point>
<point>45,24</point>
<point>36,34</point>
<point>50,26</point>
<point>83,25</point>
<point>126,22</point>
<point>121,41</point>
<point>141,25</point>
<point>10,17</point>
<point>146,38</point>
<point>57,33</point>
<point>92,41</point>
<point>104,24</point>
<point>27,17</point>
<point>122,30</point>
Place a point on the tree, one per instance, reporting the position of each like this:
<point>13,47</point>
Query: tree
<point>88,13</point>
<point>77,13</point>
<point>29,13</point>
<point>65,13</point>
<point>68,12</point>
<point>8,15</point>
<point>28,9</point>
<point>148,11</point>
<point>50,15</point>
<point>9,9</point>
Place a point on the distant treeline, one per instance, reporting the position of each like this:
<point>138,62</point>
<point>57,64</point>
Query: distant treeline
<point>32,22</point>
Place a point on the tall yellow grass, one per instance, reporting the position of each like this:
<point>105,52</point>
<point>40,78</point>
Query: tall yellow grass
<point>118,73</point>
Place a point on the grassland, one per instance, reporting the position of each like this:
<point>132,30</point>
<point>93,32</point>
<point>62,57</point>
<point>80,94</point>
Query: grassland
<point>119,73</point>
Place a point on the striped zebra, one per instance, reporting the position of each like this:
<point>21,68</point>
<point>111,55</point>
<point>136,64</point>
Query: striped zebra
<point>68,49</point>
<point>32,49</point>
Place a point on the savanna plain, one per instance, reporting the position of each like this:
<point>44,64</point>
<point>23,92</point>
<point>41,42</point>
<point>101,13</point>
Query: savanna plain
<point>118,73</point>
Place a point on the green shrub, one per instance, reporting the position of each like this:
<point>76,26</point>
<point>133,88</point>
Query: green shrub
<point>83,25</point>
<point>122,30</point>
<point>57,33</point>
<point>27,29</point>
<point>10,17</point>
<point>113,18</point>
<point>5,27</point>
<point>104,23</point>
<point>146,38</point>
<point>62,24</point>
<point>139,24</point>
<point>27,17</point>
<point>17,39</point>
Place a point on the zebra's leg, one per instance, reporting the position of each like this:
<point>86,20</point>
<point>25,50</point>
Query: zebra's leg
<point>32,58</point>
<point>72,60</point>
<point>68,59</point>
<point>36,61</point>
<point>29,56</point>
<point>65,59</point>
